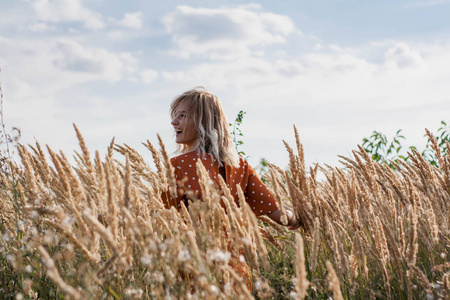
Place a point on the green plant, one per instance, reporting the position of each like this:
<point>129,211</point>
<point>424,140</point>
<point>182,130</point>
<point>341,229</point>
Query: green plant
<point>237,132</point>
<point>384,151</point>
<point>263,166</point>
<point>442,137</point>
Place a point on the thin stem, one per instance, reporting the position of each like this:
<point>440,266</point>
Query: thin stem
<point>6,136</point>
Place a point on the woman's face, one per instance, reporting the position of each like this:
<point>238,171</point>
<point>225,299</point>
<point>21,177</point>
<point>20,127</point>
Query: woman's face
<point>184,126</point>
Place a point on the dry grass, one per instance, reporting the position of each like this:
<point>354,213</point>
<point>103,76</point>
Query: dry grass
<point>99,230</point>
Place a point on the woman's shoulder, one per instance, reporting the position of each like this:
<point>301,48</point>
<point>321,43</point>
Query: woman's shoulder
<point>185,157</point>
<point>189,157</point>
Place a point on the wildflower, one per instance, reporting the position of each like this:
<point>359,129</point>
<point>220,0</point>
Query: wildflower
<point>5,237</point>
<point>131,293</point>
<point>214,289</point>
<point>34,214</point>
<point>146,259</point>
<point>246,241</point>
<point>184,255</point>
<point>219,256</point>
<point>158,277</point>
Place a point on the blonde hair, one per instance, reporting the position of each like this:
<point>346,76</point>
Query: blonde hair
<point>213,136</point>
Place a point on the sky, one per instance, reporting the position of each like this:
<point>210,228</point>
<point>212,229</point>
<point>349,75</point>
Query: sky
<point>337,70</point>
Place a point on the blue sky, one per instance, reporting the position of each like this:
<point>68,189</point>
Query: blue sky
<point>336,69</point>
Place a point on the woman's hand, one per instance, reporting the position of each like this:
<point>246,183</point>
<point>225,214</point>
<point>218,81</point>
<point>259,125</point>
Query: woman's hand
<point>293,222</point>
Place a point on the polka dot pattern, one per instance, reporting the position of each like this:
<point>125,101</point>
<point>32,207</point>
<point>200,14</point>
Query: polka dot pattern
<point>256,193</point>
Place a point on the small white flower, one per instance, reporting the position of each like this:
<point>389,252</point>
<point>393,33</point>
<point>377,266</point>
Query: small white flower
<point>21,225</point>
<point>29,269</point>
<point>146,259</point>
<point>48,238</point>
<point>184,255</point>
<point>246,241</point>
<point>214,289</point>
<point>69,247</point>
<point>228,288</point>
<point>34,232</point>
<point>158,277</point>
<point>5,237</point>
<point>11,258</point>
<point>131,293</point>
<point>163,246</point>
<point>169,272</point>
<point>68,221</point>
<point>219,256</point>
<point>152,246</point>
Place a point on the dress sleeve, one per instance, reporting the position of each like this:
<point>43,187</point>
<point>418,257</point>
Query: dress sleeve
<point>258,196</point>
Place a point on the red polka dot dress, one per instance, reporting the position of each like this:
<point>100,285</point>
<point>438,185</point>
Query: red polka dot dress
<point>256,194</point>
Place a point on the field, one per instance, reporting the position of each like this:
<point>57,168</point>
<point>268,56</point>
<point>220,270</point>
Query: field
<point>99,230</point>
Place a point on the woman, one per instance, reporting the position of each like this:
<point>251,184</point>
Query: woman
<point>201,130</point>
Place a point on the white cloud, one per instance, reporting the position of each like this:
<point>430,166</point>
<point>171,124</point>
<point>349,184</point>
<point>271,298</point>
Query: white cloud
<point>116,35</point>
<point>318,47</point>
<point>225,33</point>
<point>337,63</point>
<point>41,27</point>
<point>20,88</point>
<point>344,77</point>
<point>132,20</point>
<point>402,56</point>
<point>60,11</point>
<point>77,58</point>
<point>148,76</point>
<point>6,41</point>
